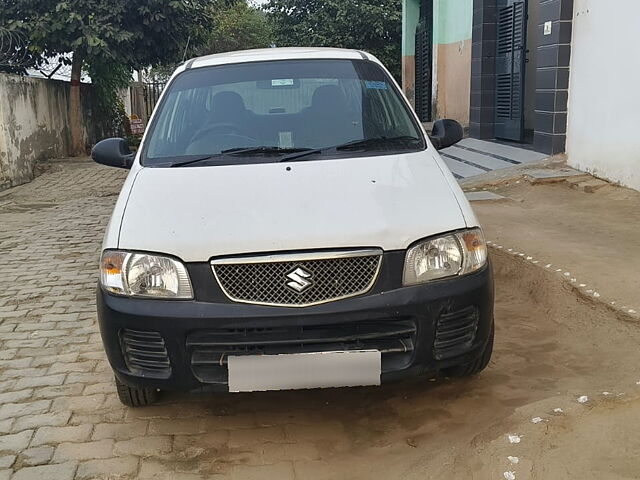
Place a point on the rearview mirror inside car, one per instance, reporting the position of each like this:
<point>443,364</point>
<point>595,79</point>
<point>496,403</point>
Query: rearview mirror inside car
<point>113,152</point>
<point>446,132</point>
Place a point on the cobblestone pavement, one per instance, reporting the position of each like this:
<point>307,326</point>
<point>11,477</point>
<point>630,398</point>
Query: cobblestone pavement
<point>60,418</point>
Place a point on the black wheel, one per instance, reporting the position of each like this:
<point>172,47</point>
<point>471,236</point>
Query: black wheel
<point>475,367</point>
<point>135,397</point>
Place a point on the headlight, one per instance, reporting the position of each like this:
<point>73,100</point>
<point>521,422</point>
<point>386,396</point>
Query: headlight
<point>455,254</point>
<point>143,275</point>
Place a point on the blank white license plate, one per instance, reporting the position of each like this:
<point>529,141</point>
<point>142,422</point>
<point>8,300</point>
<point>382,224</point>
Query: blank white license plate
<point>251,373</point>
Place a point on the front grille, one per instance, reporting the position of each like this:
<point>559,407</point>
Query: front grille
<point>209,350</point>
<point>145,353</point>
<point>298,280</point>
<point>455,332</point>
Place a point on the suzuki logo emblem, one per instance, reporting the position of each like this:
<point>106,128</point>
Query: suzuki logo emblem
<point>299,280</point>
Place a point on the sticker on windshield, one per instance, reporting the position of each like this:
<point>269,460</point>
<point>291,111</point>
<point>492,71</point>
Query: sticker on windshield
<point>375,85</point>
<point>282,82</point>
<point>285,139</point>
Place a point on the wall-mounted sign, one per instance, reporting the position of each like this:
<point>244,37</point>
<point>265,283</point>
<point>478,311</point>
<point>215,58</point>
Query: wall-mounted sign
<point>547,28</point>
<point>137,125</point>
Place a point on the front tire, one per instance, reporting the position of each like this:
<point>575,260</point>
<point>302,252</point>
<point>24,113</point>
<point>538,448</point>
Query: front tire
<point>476,366</point>
<point>134,396</point>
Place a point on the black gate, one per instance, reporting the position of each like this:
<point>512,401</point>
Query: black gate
<point>151,92</point>
<point>510,69</point>
<point>144,96</point>
<point>424,59</point>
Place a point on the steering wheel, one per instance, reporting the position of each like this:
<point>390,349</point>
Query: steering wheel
<point>233,130</point>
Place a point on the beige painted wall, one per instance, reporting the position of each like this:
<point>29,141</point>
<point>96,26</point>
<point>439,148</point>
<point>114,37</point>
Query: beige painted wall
<point>409,77</point>
<point>453,88</point>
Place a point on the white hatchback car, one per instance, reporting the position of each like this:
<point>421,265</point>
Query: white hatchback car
<point>287,223</point>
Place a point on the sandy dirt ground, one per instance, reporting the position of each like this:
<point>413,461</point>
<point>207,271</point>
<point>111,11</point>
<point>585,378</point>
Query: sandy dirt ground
<point>593,236</point>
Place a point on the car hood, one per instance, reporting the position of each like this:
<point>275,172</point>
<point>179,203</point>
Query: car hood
<point>197,213</point>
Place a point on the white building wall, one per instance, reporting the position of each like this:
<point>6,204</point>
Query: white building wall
<point>603,131</point>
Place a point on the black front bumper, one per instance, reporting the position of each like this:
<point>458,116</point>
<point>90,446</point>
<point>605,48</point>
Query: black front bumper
<point>184,344</point>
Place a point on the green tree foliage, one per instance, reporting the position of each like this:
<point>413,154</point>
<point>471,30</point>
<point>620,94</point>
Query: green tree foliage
<point>238,27</point>
<point>235,25</point>
<point>111,77</point>
<point>132,33</point>
<point>103,33</point>
<point>371,25</point>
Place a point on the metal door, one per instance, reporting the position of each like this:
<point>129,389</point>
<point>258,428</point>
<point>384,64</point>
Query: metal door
<point>424,61</point>
<point>424,57</point>
<point>510,69</point>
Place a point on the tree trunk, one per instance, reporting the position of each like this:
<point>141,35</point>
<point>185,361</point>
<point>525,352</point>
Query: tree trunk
<point>75,108</point>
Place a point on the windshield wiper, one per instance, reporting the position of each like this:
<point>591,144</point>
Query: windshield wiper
<point>262,149</point>
<point>302,153</point>
<point>367,142</point>
<point>377,141</point>
<point>190,161</point>
<point>298,152</point>
<point>236,151</point>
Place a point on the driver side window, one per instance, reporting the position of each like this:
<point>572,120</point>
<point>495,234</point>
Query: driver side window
<point>186,115</point>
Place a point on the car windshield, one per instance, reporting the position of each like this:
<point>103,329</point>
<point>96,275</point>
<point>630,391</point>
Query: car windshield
<point>265,111</point>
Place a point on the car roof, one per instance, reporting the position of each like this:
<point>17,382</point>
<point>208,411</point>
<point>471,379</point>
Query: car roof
<point>282,53</point>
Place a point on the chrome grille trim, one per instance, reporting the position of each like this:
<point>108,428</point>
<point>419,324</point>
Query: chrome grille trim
<point>297,257</point>
<point>272,289</point>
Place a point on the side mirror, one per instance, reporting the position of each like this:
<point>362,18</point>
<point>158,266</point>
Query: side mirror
<point>446,132</point>
<point>113,152</point>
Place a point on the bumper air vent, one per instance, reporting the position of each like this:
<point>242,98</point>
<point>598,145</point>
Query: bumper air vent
<point>145,353</point>
<point>455,332</point>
